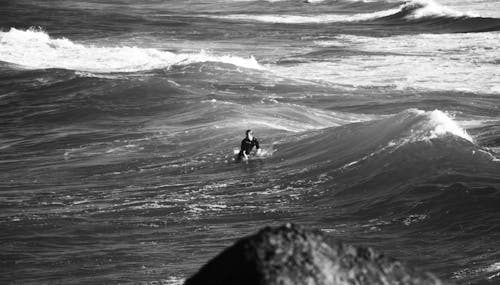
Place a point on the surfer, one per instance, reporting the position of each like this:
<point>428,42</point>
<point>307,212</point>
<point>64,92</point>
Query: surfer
<point>247,145</point>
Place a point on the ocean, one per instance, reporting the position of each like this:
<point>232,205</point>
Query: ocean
<point>379,123</point>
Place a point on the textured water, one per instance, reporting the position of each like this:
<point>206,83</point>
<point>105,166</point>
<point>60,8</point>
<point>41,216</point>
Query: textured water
<point>379,122</point>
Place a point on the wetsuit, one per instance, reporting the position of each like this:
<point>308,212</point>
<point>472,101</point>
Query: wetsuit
<point>247,146</point>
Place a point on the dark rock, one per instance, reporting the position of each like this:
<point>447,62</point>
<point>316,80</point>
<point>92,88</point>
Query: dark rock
<point>291,255</point>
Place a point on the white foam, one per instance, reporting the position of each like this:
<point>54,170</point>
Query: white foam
<point>457,62</point>
<point>307,19</point>
<point>474,45</point>
<point>35,49</point>
<point>434,125</point>
<point>173,280</point>
<point>495,267</point>
<point>430,8</point>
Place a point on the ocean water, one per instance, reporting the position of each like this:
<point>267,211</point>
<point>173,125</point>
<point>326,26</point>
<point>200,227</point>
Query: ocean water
<point>379,122</point>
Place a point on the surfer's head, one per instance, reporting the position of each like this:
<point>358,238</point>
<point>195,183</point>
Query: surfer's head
<point>249,134</point>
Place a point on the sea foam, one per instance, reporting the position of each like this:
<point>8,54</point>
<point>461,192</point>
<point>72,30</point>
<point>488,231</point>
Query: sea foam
<point>35,49</point>
<point>444,62</point>
<point>438,124</point>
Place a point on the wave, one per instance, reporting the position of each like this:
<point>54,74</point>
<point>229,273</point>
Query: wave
<point>35,49</point>
<point>387,163</point>
<point>417,9</point>
<point>351,144</point>
<point>307,19</point>
<point>408,12</point>
<point>428,13</point>
<point>431,12</point>
<point>421,164</point>
<point>432,125</point>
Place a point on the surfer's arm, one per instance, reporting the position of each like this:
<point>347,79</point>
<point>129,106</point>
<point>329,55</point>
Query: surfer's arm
<point>242,150</point>
<point>257,146</point>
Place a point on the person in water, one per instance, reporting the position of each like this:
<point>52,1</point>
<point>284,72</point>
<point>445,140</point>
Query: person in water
<point>247,145</point>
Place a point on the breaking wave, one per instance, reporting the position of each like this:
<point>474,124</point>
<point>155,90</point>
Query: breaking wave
<point>417,9</point>
<point>400,130</point>
<point>429,12</point>
<point>35,49</point>
<point>410,11</point>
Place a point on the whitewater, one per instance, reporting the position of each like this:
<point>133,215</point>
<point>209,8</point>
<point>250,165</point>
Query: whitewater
<point>119,122</point>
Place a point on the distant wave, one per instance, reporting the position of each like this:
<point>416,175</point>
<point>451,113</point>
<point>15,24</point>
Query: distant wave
<point>417,9</point>
<point>443,18</point>
<point>308,19</point>
<point>409,11</point>
<point>35,49</point>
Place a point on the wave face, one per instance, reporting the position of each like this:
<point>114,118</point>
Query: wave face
<point>120,121</point>
<point>410,127</point>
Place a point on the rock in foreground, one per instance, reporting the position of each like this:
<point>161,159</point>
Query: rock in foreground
<point>291,255</point>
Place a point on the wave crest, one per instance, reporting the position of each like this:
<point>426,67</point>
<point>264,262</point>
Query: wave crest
<point>34,48</point>
<point>418,9</point>
<point>431,125</point>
